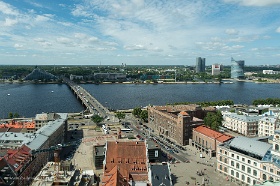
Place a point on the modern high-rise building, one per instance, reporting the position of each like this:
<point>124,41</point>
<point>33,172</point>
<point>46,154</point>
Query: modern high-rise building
<point>216,69</point>
<point>200,65</point>
<point>237,69</point>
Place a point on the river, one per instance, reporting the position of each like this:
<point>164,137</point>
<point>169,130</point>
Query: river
<point>30,99</point>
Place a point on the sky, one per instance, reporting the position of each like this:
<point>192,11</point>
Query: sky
<point>139,32</point>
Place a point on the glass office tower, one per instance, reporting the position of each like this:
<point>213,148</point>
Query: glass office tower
<point>237,69</point>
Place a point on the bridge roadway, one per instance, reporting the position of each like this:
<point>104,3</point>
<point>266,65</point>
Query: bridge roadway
<point>92,105</point>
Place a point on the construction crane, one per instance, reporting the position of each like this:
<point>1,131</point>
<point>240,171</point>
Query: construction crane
<point>56,147</point>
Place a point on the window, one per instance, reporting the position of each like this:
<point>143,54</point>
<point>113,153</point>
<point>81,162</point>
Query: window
<point>271,170</point>
<point>232,163</point>
<point>225,152</point>
<point>225,160</point>
<point>264,167</point>
<point>232,172</point>
<point>221,158</point>
<point>255,163</point>
<point>278,173</point>
<point>221,151</point>
<point>232,155</point>
<point>249,170</point>
<point>255,172</point>
<point>249,161</point>
<point>277,147</point>
<point>264,176</point>
<point>243,159</point>
<point>248,180</point>
<point>243,177</point>
<point>225,169</point>
<point>221,167</point>
<point>243,167</point>
<point>237,175</point>
<point>237,157</point>
<point>237,165</point>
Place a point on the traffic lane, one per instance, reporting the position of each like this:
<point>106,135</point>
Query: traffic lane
<point>177,156</point>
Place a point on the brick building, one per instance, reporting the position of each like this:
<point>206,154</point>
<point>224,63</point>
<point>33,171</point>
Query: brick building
<point>126,163</point>
<point>207,139</point>
<point>177,121</point>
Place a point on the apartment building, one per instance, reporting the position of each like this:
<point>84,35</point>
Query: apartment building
<point>246,125</point>
<point>16,167</point>
<point>249,161</point>
<point>267,125</point>
<point>42,119</point>
<point>176,121</point>
<point>26,126</point>
<point>206,139</point>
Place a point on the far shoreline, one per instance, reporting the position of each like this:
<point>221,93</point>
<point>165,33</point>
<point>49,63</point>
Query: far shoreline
<point>226,81</point>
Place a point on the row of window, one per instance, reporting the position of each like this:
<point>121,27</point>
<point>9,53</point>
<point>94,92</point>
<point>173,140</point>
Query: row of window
<point>237,157</point>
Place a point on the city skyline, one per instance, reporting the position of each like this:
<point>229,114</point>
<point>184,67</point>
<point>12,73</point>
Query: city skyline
<point>142,32</point>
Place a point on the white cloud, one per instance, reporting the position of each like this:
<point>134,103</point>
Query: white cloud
<point>10,22</point>
<point>8,9</point>
<point>232,31</point>
<point>135,47</point>
<point>278,30</point>
<point>18,46</point>
<point>254,2</point>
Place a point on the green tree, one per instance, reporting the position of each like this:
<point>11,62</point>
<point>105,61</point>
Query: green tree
<point>120,115</point>
<point>137,111</point>
<point>144,115</point>
<point>10,115</point>
<point>16,115</point>
<point>97,119</point>
<point>213,120</point>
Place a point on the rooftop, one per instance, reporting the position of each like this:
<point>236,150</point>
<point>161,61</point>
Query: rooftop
<point>250,145</point>
<point>160,174</point>
<point>212,133</point>
<point>47,176</point>
<point>244,118</point>
<point>130,158</point>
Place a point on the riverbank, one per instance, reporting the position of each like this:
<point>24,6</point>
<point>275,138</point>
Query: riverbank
<point>224,81</point>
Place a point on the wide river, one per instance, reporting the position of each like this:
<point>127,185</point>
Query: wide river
<point>29,99</point>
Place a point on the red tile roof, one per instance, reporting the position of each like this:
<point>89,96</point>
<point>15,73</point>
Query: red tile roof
<point>130,159</point>
<point>114,178</point>
<point>15,124</point>
<point>18,157</point>
<point>184,113</point>
<point>212,133</point>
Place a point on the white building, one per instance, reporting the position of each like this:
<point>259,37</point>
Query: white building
<point>249,161</point>
<point>216,69</point>
<point>267,126</point>
<point>243,124</point>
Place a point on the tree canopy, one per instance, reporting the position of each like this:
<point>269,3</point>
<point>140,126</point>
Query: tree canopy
<point>120,115</point>
<point>97,119</point>
<point>213,120</point>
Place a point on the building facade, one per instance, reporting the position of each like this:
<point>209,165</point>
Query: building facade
<point>267,126</point>
<point>237,69</point>
<point>176,122</point>
<point>243,124</point>
<point>206,139</point>
<point>38,74</point>
<point>216,69</point>
<point>249,161</point>
<point>200,65</point>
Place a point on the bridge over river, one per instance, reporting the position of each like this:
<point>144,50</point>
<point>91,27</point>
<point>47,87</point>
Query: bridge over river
<point>93,106</point>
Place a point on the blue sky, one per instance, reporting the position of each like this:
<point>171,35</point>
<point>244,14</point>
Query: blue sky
<point>139,32</point>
